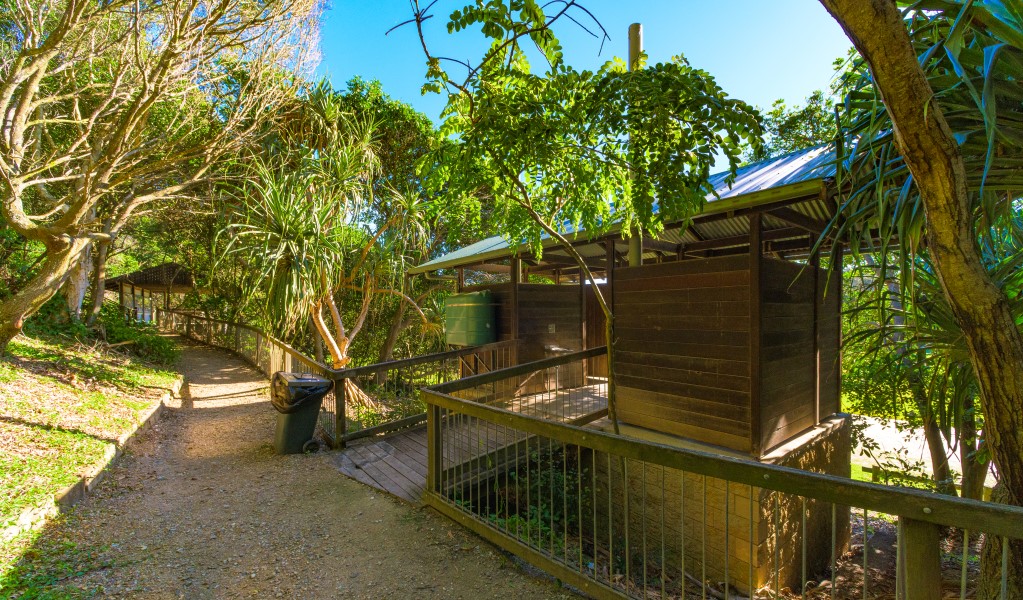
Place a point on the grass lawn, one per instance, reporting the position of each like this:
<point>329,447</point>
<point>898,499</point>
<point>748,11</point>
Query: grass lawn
<point>62,407</point>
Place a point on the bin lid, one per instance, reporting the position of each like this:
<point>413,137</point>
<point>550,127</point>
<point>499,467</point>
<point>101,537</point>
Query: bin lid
<point>300,379</point>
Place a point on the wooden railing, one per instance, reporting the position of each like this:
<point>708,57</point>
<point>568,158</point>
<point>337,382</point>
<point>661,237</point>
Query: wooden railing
<point>617,516</point>
<point>393,386</point>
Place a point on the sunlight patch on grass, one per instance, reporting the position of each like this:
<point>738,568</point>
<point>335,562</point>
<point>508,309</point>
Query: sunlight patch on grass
<point>43,461</point>
<point>62,405</point>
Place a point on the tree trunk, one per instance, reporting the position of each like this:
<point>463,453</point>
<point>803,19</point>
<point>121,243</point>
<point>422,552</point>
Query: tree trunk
<point>387,350</point>
<point>975,468</point>
<point>317,342</point>
<point>77,284</point>
<point>99,281</point>
<point>940,469</point>
<point>944,482</point>
<point>991,561</point>
<point>932,155</point>
<point>60,258</point>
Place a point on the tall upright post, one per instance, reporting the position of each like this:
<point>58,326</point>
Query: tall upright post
<point>755,250</point>
<point>635,49</point>
<point>340,413</point>
<point>920,556</point>
<point>516,278</point>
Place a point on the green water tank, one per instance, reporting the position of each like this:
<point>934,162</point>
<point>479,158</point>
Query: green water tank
<point>470,319</point>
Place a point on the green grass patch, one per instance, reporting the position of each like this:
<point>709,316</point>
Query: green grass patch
<point>51,460</point>
<point>63,404</point>
<point>47,562</point>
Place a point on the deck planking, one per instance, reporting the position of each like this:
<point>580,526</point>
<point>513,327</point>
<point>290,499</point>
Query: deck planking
<point>397,463</point>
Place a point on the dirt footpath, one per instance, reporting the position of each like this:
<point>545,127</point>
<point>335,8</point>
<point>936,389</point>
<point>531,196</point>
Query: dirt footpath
<point>202,508</point>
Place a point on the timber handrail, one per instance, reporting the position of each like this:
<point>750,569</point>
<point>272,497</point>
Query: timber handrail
<point>913,503</point>
<point>523,369</point>
<point>284,346</point>
<point>483,458</point>
<point>416,360</point>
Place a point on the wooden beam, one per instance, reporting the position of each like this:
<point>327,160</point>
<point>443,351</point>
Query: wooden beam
<point>516,278</point>
<point>793,217</point>
<point>742,240</point>
<point>556,259</point>
<point>815,264</point>
<point>920,556</point>
<point>659,246</point>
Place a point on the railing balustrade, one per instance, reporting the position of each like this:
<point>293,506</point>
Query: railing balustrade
<point>366,401</point>
<point>510,457</point>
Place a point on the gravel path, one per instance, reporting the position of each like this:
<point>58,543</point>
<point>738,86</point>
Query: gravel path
<point>202,508</point>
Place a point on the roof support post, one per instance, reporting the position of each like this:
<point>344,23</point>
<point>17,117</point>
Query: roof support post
<point>755,255</point>
<point>818,299</point>
<point>635,49</point>
<point>516,278</point>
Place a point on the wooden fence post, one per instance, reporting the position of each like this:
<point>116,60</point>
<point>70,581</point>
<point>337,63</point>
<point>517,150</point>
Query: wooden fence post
<point>921,559</point>
<point>434,449</point>
<point>188,326</point>
<point>340,412</point>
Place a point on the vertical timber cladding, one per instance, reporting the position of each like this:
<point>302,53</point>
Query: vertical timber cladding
<point>829,325</point>
<point>683,339</point>
<point>596,334</point>
<point>790,375</point>
<point>549,317</point>
<point>549,325</point>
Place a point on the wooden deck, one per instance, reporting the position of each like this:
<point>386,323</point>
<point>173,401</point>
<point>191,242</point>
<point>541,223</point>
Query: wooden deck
<point>396,463</point>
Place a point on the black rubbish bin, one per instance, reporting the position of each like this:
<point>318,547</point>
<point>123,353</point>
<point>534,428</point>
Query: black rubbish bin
<point>297,398</point>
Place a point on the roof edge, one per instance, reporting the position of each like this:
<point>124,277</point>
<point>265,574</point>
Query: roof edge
<point>780,193</point>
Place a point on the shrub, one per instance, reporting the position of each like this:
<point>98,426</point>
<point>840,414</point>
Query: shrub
<point>145,340</point>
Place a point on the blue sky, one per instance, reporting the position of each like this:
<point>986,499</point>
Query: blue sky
<point>759,50</point>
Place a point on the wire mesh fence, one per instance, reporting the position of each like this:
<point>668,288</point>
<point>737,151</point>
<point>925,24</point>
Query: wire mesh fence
<point>624,517</point>
<point>366,400</point>
<point>384,397</point>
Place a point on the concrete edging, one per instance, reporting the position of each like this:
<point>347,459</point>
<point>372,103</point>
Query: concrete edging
<point>63,501</point>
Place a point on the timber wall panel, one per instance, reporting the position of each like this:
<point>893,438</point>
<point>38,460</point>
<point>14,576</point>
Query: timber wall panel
<point>788,352</point>
<point>830,325</point>
<point>683,334</point>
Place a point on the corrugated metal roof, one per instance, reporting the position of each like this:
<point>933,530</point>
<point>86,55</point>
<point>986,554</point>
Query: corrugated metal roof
<point>795,170</point>
<point>168,275</point>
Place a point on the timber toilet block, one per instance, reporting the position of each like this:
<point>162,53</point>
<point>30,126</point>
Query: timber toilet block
<point>737,355</point>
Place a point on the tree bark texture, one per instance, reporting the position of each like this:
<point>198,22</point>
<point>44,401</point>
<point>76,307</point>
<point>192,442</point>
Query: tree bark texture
<point>975,468</point>
<point>929,150</point>
<point>60,258</point>
<point>99,281</point>
<point>924,139</point>
<point>990,585</point>
<point>77,284</point>
<point>397,325</point>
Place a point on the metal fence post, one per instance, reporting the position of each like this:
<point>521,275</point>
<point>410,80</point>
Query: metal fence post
<point>921,559</point>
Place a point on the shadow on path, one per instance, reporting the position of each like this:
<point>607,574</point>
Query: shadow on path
<point>201,507</point>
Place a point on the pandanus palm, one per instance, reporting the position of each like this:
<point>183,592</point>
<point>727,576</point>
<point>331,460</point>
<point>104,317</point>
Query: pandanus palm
<point>293,231</point>
<point>958,127</point>
<point>309,228</point>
